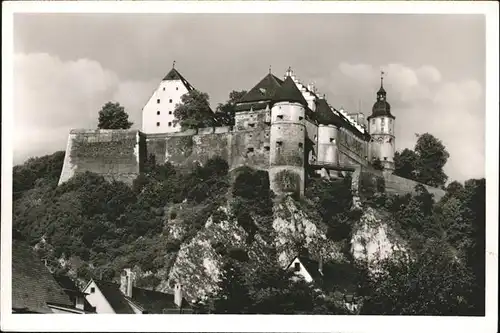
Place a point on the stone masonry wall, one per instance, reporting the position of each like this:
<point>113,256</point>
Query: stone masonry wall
<point>114,154</point>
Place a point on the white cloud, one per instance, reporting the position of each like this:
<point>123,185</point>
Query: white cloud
<point>52,96</point>
<point>423,101</point>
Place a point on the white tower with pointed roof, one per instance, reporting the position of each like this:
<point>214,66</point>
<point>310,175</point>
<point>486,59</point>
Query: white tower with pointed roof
<point>158,113</point>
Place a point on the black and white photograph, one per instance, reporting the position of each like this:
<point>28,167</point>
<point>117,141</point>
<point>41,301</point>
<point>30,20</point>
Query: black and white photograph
<point>191,161</point>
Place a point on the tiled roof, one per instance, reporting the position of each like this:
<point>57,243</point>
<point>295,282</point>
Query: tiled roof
<point>381,108</point>
<point>174,75</point>
<point>324,114</point>
<point>72,291</point>
<point>32,284</point>
<point>155,301</point>
<point>114,296</point>
<point>151,301</point>
<point>264,90</point>
<point>289,93</point>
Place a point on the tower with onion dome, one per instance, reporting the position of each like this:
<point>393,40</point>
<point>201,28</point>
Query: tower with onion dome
<point>381,124</point>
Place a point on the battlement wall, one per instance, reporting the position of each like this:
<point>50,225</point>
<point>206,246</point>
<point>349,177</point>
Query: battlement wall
<point>114,154</point>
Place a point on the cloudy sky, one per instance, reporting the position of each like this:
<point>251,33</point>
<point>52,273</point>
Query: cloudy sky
<point>66,66</point>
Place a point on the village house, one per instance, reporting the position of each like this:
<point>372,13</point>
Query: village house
<point>109,297</point>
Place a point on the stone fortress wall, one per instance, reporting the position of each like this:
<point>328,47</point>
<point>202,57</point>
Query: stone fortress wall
<point>121,154</point>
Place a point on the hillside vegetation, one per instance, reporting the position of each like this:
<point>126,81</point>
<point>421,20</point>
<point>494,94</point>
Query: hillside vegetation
<point>229,238</point>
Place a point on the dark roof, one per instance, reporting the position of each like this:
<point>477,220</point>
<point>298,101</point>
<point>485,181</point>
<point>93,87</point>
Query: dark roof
<point>174,75</point>
<point>32,284</point>
<point>289,93</point>
<point>381,108</point>
<point>72,291</point>
<point>114,296</point>
<point>264,90</point>
<point>325,115</point>
<point>150,301</point>
<point>155,301</point>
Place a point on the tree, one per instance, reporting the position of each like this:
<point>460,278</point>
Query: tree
<point>194,111</point>
<point>432,156</point>
<point>113,116</point>
<point>225,112</point>
<point>425,163</point>
<point>405,163</point>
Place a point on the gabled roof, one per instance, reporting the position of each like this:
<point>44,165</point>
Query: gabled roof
<point>174,75</point>
<point>111,291</point>
<point>264,90</point>
<point>325,115</point>
<point>288,92</point>
<point>32,284</point>
<point>148,300</point>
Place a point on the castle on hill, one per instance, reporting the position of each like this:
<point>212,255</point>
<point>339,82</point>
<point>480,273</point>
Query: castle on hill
<point>281,125</point>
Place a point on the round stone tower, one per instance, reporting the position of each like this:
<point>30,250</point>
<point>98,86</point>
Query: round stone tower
<point>288,133</point>
<point>381,124</point>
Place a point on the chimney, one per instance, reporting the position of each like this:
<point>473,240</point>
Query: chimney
<point>127,282</point>
<point>320,265</point>
<point>178,294</point>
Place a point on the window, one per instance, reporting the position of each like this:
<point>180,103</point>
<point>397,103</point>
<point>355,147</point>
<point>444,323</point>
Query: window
<point>163,88</point>
<point>250,150</point>
<point>158,101</point>
<point>158,124</point>
<point>385,158</point>
<point>169,124</point>
<point>279,117</point>
<point>301,144</point>
<point>176,88</point>
<point>279,143</point>
<point>170,100</point>
<point>92,290</point>
<point>169,112</point>
<point>158,112</point>
<point>252,125</point>
<point>297,267</point>
<point>300,118</point>
<point>332,140</point>
<point>266,148</point>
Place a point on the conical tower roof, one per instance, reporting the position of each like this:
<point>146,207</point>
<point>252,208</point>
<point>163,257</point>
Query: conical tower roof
<point>289,93</point>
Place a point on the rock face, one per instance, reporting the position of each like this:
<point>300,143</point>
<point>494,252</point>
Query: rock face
<point>373,239</point>
<point>293,226</point>
<point>199,265</point>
